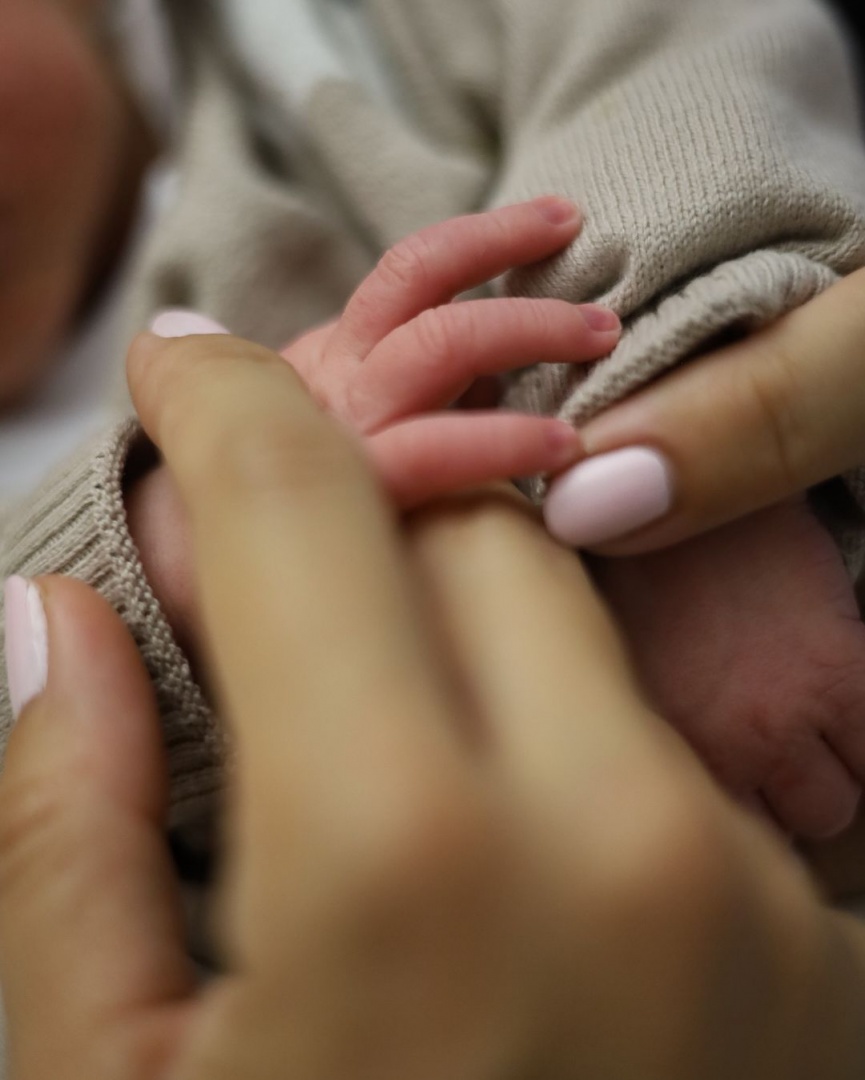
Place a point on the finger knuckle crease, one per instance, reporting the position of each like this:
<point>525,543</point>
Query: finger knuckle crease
<point>773,391</point>
<point>435,854</point>
<point>537,314</point>
<point>29,817</point>
<point>274,459</point>
<point>405,264</point>
<point>436,335</point>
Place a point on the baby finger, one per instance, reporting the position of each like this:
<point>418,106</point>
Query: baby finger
<point>428,363</point>
<point>430,456</point>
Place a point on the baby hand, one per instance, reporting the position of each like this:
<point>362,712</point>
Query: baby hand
<point>402,352</point>
<point>399,355</point>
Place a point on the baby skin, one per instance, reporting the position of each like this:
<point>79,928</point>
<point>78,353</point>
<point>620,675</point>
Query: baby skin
<point>72,152</point>
<point>750,642</point>
<point>748,639</point>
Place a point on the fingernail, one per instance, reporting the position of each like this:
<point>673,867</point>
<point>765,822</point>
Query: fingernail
<point>556,210</point>
<point>26,643</point>
<point>609,496</point>
<point>600,318</point>
<point>177,323</point>
<point>566,445</point>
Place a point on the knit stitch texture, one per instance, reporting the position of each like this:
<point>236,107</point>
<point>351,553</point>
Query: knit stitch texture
<point>714,146</point>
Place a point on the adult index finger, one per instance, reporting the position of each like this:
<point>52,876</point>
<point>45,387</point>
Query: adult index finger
<point>731,433</point>
<point>318,654</point>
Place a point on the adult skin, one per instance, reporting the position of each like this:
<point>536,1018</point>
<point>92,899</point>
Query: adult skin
<point>751,424</point>
<point>748,426</point>
<point>456,848</point>
<point>740,429</point>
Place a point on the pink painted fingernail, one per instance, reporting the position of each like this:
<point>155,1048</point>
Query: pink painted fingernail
<point>600,318</point>
<point>26,643</point>
<point>609,496</point>
<point>556,210</point>
<point>177,323</point>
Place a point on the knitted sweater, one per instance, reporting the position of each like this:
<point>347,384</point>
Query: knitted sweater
<point>714,147</point>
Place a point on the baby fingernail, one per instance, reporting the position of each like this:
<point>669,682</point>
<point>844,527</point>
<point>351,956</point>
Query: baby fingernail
<point>26,643</point>
<point>177,323</point>
<point>566,444</point>
<point>609,496</point>
<point>600,318</point>
<point>556,210</point>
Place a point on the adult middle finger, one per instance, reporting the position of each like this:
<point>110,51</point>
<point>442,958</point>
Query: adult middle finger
<point>543,660</point>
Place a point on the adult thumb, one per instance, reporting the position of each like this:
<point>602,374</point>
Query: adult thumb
<point>727,434</point>
<point>91,942</point>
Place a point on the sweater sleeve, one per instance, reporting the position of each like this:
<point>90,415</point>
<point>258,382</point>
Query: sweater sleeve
<point>76,525</point>
<point>714,147</point>
<point>716,151</point>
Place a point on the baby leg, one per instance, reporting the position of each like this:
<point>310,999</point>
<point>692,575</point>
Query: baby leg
<point>750,642</point>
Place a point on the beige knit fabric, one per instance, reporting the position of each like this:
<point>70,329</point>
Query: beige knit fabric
<point>79,520</point>
<point>714,145</point>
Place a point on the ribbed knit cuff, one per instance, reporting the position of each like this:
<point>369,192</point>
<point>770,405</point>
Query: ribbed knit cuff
<point>741,295</point>
<point>76,525</point>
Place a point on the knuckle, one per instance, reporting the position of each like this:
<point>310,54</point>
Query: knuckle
<point>351,402</point>
<point>160,382</point>
<point>405,265</point>
<point>35,825</point>
<point>126,1050</point>
<point>774,392</point>
<point>537,315</point>
<point>436,334</point>
<point>439,857</point>
<point>492,229</point>
<point>669,868</point>
<point>270,458</point>
<point>182,390</point>
<point>498,530</point>
<point>26,810</point>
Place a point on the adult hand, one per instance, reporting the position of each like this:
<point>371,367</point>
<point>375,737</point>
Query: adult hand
<point>459,843</point>
<point>737,431</point>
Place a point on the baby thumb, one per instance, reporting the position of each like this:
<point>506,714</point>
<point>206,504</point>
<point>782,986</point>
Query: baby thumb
<point>730,433</point>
